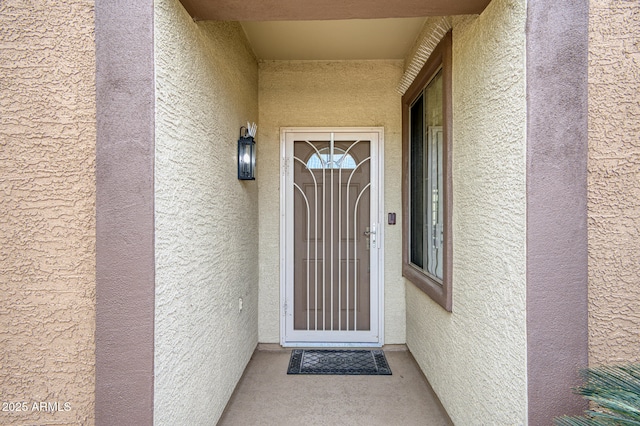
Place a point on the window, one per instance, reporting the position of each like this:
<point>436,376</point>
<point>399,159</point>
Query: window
<point>426,170</point>
<point>324,160</point>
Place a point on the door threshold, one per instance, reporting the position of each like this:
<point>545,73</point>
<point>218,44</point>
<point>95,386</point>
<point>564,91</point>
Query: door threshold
<point>275,347</point>
<point>330,345</point>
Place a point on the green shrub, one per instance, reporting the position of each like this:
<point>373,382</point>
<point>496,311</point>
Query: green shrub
<point>615,390</point>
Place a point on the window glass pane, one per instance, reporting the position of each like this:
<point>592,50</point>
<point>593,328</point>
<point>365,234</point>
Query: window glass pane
<point>433,184</point>
<point>417,182</point>
<point>426,179</point>
<point>434,201</point>
<point>324,160</point>
<point>434,101</point>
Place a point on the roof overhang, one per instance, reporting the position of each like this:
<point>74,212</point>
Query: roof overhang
<point>297,10</point>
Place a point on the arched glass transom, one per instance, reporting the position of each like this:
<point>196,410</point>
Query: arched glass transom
<point>324,160</point>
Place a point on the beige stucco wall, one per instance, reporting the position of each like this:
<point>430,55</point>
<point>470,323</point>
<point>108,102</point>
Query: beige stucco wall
<point>475,357</point>
<point>614,182</point>
<point>327,94</point>
<point>206,219</point>
<point>47,210</point>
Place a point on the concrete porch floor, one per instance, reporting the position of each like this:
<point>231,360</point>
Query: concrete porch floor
<point>266,395</point>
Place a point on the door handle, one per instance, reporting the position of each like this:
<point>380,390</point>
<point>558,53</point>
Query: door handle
<point>371,232</point>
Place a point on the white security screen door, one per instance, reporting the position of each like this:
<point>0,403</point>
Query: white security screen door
<point>331,236</point>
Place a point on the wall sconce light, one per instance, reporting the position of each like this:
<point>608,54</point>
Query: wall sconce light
<point>247,152</point>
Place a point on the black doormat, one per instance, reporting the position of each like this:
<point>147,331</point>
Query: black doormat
<point>338,362</point>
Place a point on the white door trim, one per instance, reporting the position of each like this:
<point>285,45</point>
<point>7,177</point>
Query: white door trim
<point>376,337</point>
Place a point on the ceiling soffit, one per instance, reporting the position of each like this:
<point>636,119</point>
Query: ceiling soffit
<point>333,40</point>
<point>296,10</point>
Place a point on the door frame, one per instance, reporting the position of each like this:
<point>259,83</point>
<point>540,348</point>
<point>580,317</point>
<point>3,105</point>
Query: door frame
<point>377,217</point>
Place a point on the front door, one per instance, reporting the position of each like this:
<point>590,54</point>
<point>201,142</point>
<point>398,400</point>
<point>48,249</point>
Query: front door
<point>331,236</point>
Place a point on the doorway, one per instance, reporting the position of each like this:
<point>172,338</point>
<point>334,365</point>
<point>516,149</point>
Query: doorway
<point>331,236</point>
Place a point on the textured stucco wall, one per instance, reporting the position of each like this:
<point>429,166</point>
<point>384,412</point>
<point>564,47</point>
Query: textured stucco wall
<point>557,146</point>
<point>47,209</point>
<point>614,182</point>
<point>327,94</point>
<point>475,357</point>
<point>206,220</point>
<point>125,258</point>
